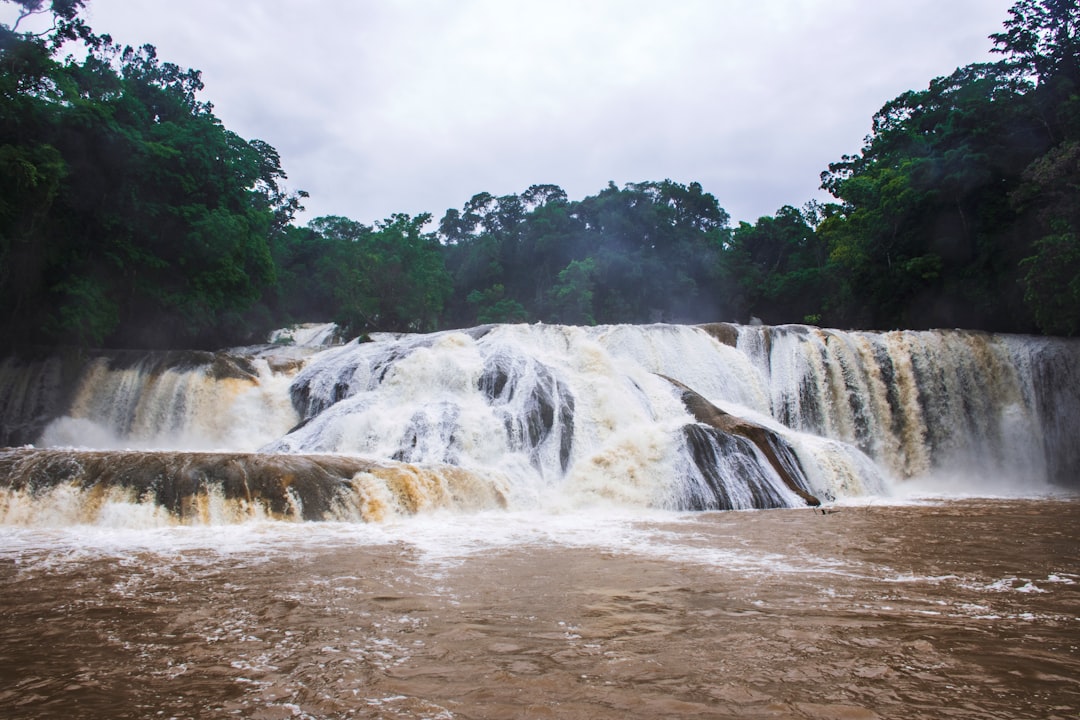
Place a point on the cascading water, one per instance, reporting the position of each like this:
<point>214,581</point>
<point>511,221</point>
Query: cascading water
<point>953,403</point>
<point>190,401</point>
<point>577,412</point>
<point>679,417</point>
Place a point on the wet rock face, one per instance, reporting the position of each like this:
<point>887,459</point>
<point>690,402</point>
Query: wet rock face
<point>726,333</point>
<point>779,454</point>
<point>713,450</point>
<point>533,402</point>
<point>287,486</point>
<point>362,366</point>
<point>216,365</point>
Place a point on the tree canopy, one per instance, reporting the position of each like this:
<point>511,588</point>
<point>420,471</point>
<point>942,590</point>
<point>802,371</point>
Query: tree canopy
<point>646,251</point>
<point>961,208</point>
<point>130,216</point>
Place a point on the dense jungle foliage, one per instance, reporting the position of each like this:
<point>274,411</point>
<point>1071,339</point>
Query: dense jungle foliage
<point>130,216</point>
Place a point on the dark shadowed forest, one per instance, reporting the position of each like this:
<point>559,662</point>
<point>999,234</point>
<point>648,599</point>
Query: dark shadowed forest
<point>131,217</point>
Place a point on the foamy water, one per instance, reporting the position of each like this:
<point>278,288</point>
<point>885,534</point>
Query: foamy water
<point>966,609</point>
<point>502,527</point>
<point>534,417</point>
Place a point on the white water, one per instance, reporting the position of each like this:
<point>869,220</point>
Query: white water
<point>574,415</point>
<point>569,417</point>
<point>175,409</point>
<point>306,335</point>
<point>585,590</point>
<point>956,406</point>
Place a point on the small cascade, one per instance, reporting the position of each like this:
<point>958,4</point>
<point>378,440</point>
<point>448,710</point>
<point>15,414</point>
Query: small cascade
<point>63,487</point>
<point>533,406</point>
<point>193,400</point>
<point>679,417</point>
<point>919,403</point>
<point>309,335</point>
<point>731,473</point>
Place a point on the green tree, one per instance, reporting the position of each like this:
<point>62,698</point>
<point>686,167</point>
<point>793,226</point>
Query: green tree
<point>572,296</point>
<point>949,215</point>
<point>493,307</point>
<point>650,249</point>
<point>390,277</point>
<point>654,246</point>
<point>775,269</point>
<point>1052,282</point>
<point>131,216</point>
<point>1050,200</point>
<point>1041,41</point>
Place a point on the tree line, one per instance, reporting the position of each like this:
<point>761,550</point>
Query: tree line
<point>131,217</point>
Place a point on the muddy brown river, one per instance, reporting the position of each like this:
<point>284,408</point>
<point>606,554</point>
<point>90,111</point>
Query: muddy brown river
<point>951,609</point>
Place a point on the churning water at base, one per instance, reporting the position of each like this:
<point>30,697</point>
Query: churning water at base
<point>960,609</point>
<point>671,417</point>
<point>502,529</point>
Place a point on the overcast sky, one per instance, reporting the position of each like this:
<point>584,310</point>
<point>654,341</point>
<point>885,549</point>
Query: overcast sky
<point>384,106</point>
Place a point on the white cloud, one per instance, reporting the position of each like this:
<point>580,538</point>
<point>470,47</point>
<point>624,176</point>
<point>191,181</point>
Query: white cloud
<point>415,105</point>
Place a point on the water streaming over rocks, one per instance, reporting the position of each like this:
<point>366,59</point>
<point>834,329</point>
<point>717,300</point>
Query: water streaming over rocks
<point>664,416</point>
<point>503,529</point>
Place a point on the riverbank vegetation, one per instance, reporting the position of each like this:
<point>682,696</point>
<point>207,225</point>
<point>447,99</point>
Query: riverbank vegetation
<point>131,217</point>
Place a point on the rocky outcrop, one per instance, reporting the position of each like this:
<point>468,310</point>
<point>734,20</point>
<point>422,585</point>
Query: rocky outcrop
<point>291,487</point>
<point>779,454</point>
<point>725,333</point>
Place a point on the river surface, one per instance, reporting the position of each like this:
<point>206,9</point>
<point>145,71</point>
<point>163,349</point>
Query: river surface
<point>932,609</point>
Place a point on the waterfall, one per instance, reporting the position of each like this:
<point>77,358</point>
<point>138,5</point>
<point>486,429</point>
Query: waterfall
<point>956,402</point>
<point>307,335</point>
<point>680,417</point>
<point>167,400</point>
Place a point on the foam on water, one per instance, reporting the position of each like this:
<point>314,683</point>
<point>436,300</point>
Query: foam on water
<point>307,335</point>
<point>435,540</point>
<point>567,418</point>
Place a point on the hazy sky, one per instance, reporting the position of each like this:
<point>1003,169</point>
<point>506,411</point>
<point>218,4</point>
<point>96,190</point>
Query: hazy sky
<point>383,106</point>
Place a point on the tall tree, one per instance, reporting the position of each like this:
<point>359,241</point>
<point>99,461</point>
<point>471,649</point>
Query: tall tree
<point>390,277</point>
<point>935,223</point>
<point>775,269</point>
<point>135,217</point>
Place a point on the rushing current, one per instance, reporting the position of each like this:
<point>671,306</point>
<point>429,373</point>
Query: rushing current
<point>523,416</point>
<point>512,521</point>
